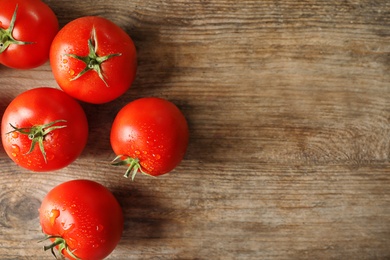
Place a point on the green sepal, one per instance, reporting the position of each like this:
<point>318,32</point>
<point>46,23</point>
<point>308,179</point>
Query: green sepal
<point>6,37</point>
<point>133,164</point>
<point>92,60</point>
<point>62,245</point>
<point>37,134</point>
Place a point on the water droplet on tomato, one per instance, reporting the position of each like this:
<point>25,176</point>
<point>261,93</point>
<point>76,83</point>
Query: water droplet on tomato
<point>15,149</point>
<point>15,135</point>
<point>66,225</point>
<point>99,228</point>
<point>49,156</point>
<point>54,214</point>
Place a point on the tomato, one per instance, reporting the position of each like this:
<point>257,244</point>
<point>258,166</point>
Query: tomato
<point>82,218</point>
<point>27,28</point>
<point>93,59</point>
<point>44,129</point>
<point>149,135</point>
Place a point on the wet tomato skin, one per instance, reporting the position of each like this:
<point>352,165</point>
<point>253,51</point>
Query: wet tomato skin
<point>86,215</point>
<point>36,24</point>
<point>117,72</point>
<point>40,106</point>
<point>152,130</point>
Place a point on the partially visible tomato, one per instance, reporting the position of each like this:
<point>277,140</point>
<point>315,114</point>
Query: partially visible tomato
<point>44,129</point>
<point>149,135</point>
<point>93,60</point>
<point>83,219</point>
<point>27,28</point>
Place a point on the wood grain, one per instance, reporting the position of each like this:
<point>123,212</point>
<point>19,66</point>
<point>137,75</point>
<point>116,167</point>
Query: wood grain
<point>288,106</point>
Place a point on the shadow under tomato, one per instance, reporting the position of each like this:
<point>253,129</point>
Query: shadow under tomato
<point>100,118</point>
<point>205,143</point>
<point>142,215</point>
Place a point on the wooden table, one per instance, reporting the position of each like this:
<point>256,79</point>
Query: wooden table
<point>288,106</point>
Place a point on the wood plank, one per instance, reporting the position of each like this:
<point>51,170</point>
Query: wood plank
<point>288,109</point>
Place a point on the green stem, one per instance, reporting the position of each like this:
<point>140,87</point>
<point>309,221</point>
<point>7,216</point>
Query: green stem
<point>92,60</point>
<point>133,164</point>
<point>62,245</point>
<point>38,133</point>
<point>6,37</point>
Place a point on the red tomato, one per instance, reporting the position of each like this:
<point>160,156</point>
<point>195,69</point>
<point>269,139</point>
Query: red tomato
<point>44,129</point>
<point>82,218</point>
<point>93,60</point>
<point>150,135</point>
<point>27,28</point>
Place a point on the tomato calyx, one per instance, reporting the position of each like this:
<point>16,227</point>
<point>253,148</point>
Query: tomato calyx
<point>93,61</point>
<point>37,134</point>
<point>133,164</point>
<point>62,245</point>
<point>6,38</point>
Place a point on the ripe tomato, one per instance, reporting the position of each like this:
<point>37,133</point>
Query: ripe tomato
<point>150,135</point>
<point>93,60</point>
<point>44,129</point>
<point>27,28</point>
<point>82,218</point>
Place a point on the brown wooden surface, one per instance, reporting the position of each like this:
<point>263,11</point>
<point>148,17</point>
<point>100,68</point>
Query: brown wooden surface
<point>288,106</point>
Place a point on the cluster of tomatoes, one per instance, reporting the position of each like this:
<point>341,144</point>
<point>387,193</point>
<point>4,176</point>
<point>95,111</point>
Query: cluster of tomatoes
<point>45,129</point>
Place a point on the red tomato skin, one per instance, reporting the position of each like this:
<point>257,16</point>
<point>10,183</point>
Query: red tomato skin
<point>153,130</point>
<point>36,23</point>
<point>41,106</point>
<point>86,214</point>
<point>119,72</point>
